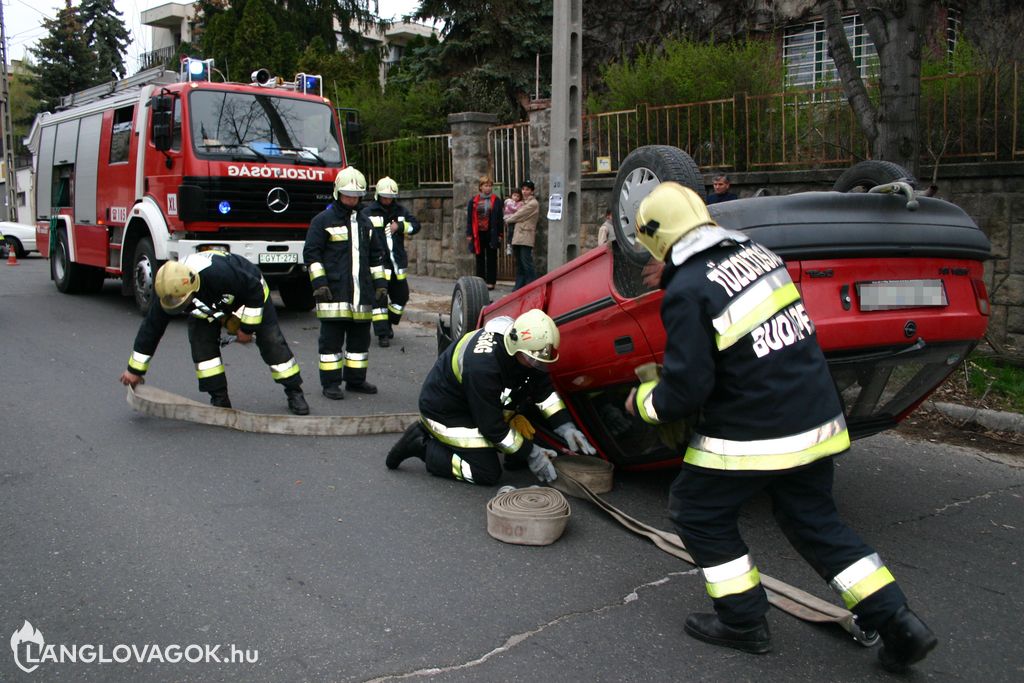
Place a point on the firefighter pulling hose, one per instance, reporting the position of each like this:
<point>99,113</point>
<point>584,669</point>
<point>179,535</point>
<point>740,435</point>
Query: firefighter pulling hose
<point>216,289</point>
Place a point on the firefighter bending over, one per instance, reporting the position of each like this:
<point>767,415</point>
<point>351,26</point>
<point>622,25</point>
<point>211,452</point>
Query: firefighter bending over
<point>742,351</point>
<point>347,277</point>
<point>391,222</point>
<point>217,289</point>
<point>464,399</point>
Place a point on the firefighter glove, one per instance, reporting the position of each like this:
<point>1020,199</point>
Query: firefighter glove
<point>381,293</point>
<point>522,425</point>
<point>575,439</point>
<point>540,464</point>
<point>323,294</point>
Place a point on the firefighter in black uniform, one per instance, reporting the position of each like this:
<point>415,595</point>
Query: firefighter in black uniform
<point>742,350</point>
<point>346,272</point>
<point>392,223</point>
<point>218,290</point>
<point>470,389</point>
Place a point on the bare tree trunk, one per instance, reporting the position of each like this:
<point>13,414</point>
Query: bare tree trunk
<point>896,28</point>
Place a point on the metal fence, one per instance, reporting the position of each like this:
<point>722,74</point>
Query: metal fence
<point>508,151</point>
<point>419,161</point>
<point>966,117</point>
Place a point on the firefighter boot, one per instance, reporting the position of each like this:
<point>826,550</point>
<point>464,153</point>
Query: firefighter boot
<point>383,341</point>
<point>363,387</point>
<point>905,640</point>
<point>297,401</point>
<point>754,638</point>
<point>413,444</point>
<point>334,392</point>
<point>219,398</point>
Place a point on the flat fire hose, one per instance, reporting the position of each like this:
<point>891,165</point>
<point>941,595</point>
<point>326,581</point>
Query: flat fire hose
<point>789,599</point>
<point>158,403</point>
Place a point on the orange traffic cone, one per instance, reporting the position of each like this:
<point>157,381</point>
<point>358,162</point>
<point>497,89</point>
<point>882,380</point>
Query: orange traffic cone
<point>12,257</point>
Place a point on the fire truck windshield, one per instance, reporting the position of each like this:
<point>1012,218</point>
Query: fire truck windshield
<point>280,130</point>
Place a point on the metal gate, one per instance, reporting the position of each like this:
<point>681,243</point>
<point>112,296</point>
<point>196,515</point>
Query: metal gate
<point>508,151</point>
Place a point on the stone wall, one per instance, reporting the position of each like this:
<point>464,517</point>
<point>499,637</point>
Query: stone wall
<point>992,194</point>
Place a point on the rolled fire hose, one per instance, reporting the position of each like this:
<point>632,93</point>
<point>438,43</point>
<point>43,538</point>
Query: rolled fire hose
<point>530,516</point>
<point>789,599</point>
<point>158,403</point>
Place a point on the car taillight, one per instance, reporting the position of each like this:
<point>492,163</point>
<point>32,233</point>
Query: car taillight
<point>981,296</point>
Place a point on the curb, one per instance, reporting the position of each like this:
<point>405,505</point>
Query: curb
<point>990,419</point>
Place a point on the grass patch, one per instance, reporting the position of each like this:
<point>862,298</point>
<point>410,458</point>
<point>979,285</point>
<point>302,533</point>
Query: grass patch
<point>999,383</point>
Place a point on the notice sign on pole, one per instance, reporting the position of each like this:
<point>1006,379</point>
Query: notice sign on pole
<point>555,207</point>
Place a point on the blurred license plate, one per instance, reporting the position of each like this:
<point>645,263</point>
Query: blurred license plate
<point>280,257</point>
<point>885,295</point>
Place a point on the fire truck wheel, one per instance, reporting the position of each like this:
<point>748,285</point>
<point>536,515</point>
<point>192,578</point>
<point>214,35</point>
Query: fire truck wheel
<point>71,277</point>
<point>144,267</point>
<point>296,294</point>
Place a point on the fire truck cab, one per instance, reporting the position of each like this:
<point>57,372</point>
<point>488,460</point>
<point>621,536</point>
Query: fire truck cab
<point>161,165</point>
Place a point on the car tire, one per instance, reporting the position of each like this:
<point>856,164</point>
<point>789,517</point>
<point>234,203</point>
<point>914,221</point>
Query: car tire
<point>144,267</point>
<point>296,294</point>
<point>13,243</point>
<point>641,171</point>
<point>864,175</point>
<point>70,277</point>
<point>469,297</point>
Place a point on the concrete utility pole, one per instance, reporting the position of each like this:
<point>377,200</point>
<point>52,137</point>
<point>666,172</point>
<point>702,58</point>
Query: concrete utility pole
<point>5,121</point>
<point>566,122</point>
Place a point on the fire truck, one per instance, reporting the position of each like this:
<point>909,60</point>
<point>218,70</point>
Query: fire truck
<point>164,164</point>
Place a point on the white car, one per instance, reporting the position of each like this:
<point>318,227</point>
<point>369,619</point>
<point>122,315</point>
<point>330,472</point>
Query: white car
<point>20,237</point>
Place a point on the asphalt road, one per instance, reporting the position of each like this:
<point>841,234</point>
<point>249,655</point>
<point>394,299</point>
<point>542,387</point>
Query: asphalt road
<point>120,530</point>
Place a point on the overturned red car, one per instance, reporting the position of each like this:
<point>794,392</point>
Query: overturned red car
<point>893,282</point>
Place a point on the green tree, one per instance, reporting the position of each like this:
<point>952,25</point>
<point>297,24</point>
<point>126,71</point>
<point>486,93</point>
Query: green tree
<point>65,63</point>
<point>24,107</point>
<point>684,70</point>
<point>488,54</point>
<point>107,37</point>
<point>259,42</point>
<point>237,49</point>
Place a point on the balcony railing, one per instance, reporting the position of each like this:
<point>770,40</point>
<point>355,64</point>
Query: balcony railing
<point>156,57</point>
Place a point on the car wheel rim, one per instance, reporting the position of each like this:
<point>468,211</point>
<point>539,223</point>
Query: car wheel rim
<point>143,279</point>
<point>457,314</point>
<point>637,185</point>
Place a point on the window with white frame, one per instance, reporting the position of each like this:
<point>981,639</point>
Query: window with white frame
<point>805,53</point>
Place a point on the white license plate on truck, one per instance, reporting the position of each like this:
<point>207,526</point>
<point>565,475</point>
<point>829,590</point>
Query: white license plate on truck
<point>280,257</point>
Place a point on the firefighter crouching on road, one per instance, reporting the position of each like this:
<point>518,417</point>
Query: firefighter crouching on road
<point>347,277</point>
<point>742,351</point>
<point>391,224</point>
<point>462,425</point>
<point>216,289</point>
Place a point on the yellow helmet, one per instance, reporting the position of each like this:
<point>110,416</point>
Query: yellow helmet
<point>350,182</point>
<point>386,187</point>
<point>535,334</point>
<point>175,285</point>
<point>666,214</point>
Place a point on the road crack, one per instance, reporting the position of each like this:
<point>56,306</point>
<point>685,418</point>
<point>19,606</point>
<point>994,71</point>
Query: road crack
<point>958,503</point>
<point>519,638</point>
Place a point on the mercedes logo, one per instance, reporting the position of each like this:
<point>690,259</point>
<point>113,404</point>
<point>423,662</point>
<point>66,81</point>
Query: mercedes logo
<point>909,329</point>
<point>277,200</point>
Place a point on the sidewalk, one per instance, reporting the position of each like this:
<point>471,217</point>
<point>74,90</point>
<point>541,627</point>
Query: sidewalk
<point>429,296</point>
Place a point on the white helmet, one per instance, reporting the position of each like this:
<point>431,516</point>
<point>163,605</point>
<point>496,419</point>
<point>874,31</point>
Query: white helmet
<point>535,334</point>
<point>386,187</point>
<point>350,182</point>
